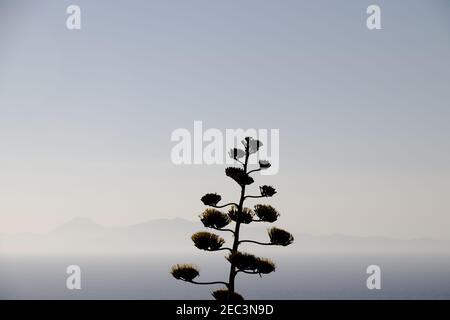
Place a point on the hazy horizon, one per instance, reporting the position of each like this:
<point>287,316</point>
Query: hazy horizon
<point>88,220</point>
<point>173,236</point>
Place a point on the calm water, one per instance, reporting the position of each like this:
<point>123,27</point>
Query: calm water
<point>305,276</point>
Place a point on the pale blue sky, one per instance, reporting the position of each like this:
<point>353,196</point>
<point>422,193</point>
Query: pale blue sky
<point>86,116</point>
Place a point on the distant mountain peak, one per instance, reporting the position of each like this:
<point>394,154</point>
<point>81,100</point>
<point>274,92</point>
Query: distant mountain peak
<point>172,235</point>
<point>78,224</point>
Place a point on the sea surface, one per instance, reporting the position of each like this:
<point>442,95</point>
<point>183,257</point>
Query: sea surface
<point>299,276</point>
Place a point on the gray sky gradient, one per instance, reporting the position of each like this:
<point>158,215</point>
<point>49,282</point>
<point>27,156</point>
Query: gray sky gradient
<point>86,116</point>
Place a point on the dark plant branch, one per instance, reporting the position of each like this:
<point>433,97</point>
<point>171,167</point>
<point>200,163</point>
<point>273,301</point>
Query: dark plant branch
<point>225,248</point>
<point>247,272</point>
<point>255,197</point>
<point>208,283</point>
<point>228,204</point>
<point>261,243</point>
<point>223,229</point>
<point>255,170</point>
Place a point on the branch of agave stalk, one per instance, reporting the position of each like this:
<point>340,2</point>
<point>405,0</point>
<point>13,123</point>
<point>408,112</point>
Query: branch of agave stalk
<point>255,197</point>
<point>255,170</point>
<point>228,204</point>
<point>222,229</point>
<point>208,283</point>
<point>229,249</point>
<point>261,243</point>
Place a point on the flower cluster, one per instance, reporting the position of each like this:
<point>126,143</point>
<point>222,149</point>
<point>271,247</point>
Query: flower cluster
<point>185,272</point>
<point>236,153</point>
<point>222,295</point>
<point>263,164</point>
<point>252,144</point>
<point>249,262</point>
<point>239,175</point>
<point>211,199</point>
<point>212,218</point>
<point>266,213</point>
<point>246,216</point>
<point>267,191</point>
<point>280,237</point>
<point>207,241</point>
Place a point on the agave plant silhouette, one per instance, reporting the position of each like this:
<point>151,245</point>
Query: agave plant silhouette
<point>240,262</point>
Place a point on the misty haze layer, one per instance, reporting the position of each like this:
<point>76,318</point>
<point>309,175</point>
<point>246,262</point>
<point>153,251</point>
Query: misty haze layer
<point>83,236</point>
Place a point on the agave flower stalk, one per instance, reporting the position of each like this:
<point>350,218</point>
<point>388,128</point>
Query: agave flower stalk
<point>240,262</point>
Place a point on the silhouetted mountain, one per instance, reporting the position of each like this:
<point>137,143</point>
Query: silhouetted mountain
<point>82,235</point>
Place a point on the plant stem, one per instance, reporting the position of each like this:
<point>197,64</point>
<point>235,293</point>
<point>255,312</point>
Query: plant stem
<point>261,243</point>
<point>223,229</point>
<point>255,197</point>
<point>248,272</point>
<point>228,204</point>
<point>237,228</point>
<point>256,170</point>
<point>220,249</point>
<point>206,283</point>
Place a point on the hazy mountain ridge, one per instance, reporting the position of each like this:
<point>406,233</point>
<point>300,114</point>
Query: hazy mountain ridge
<point>82,235</point>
